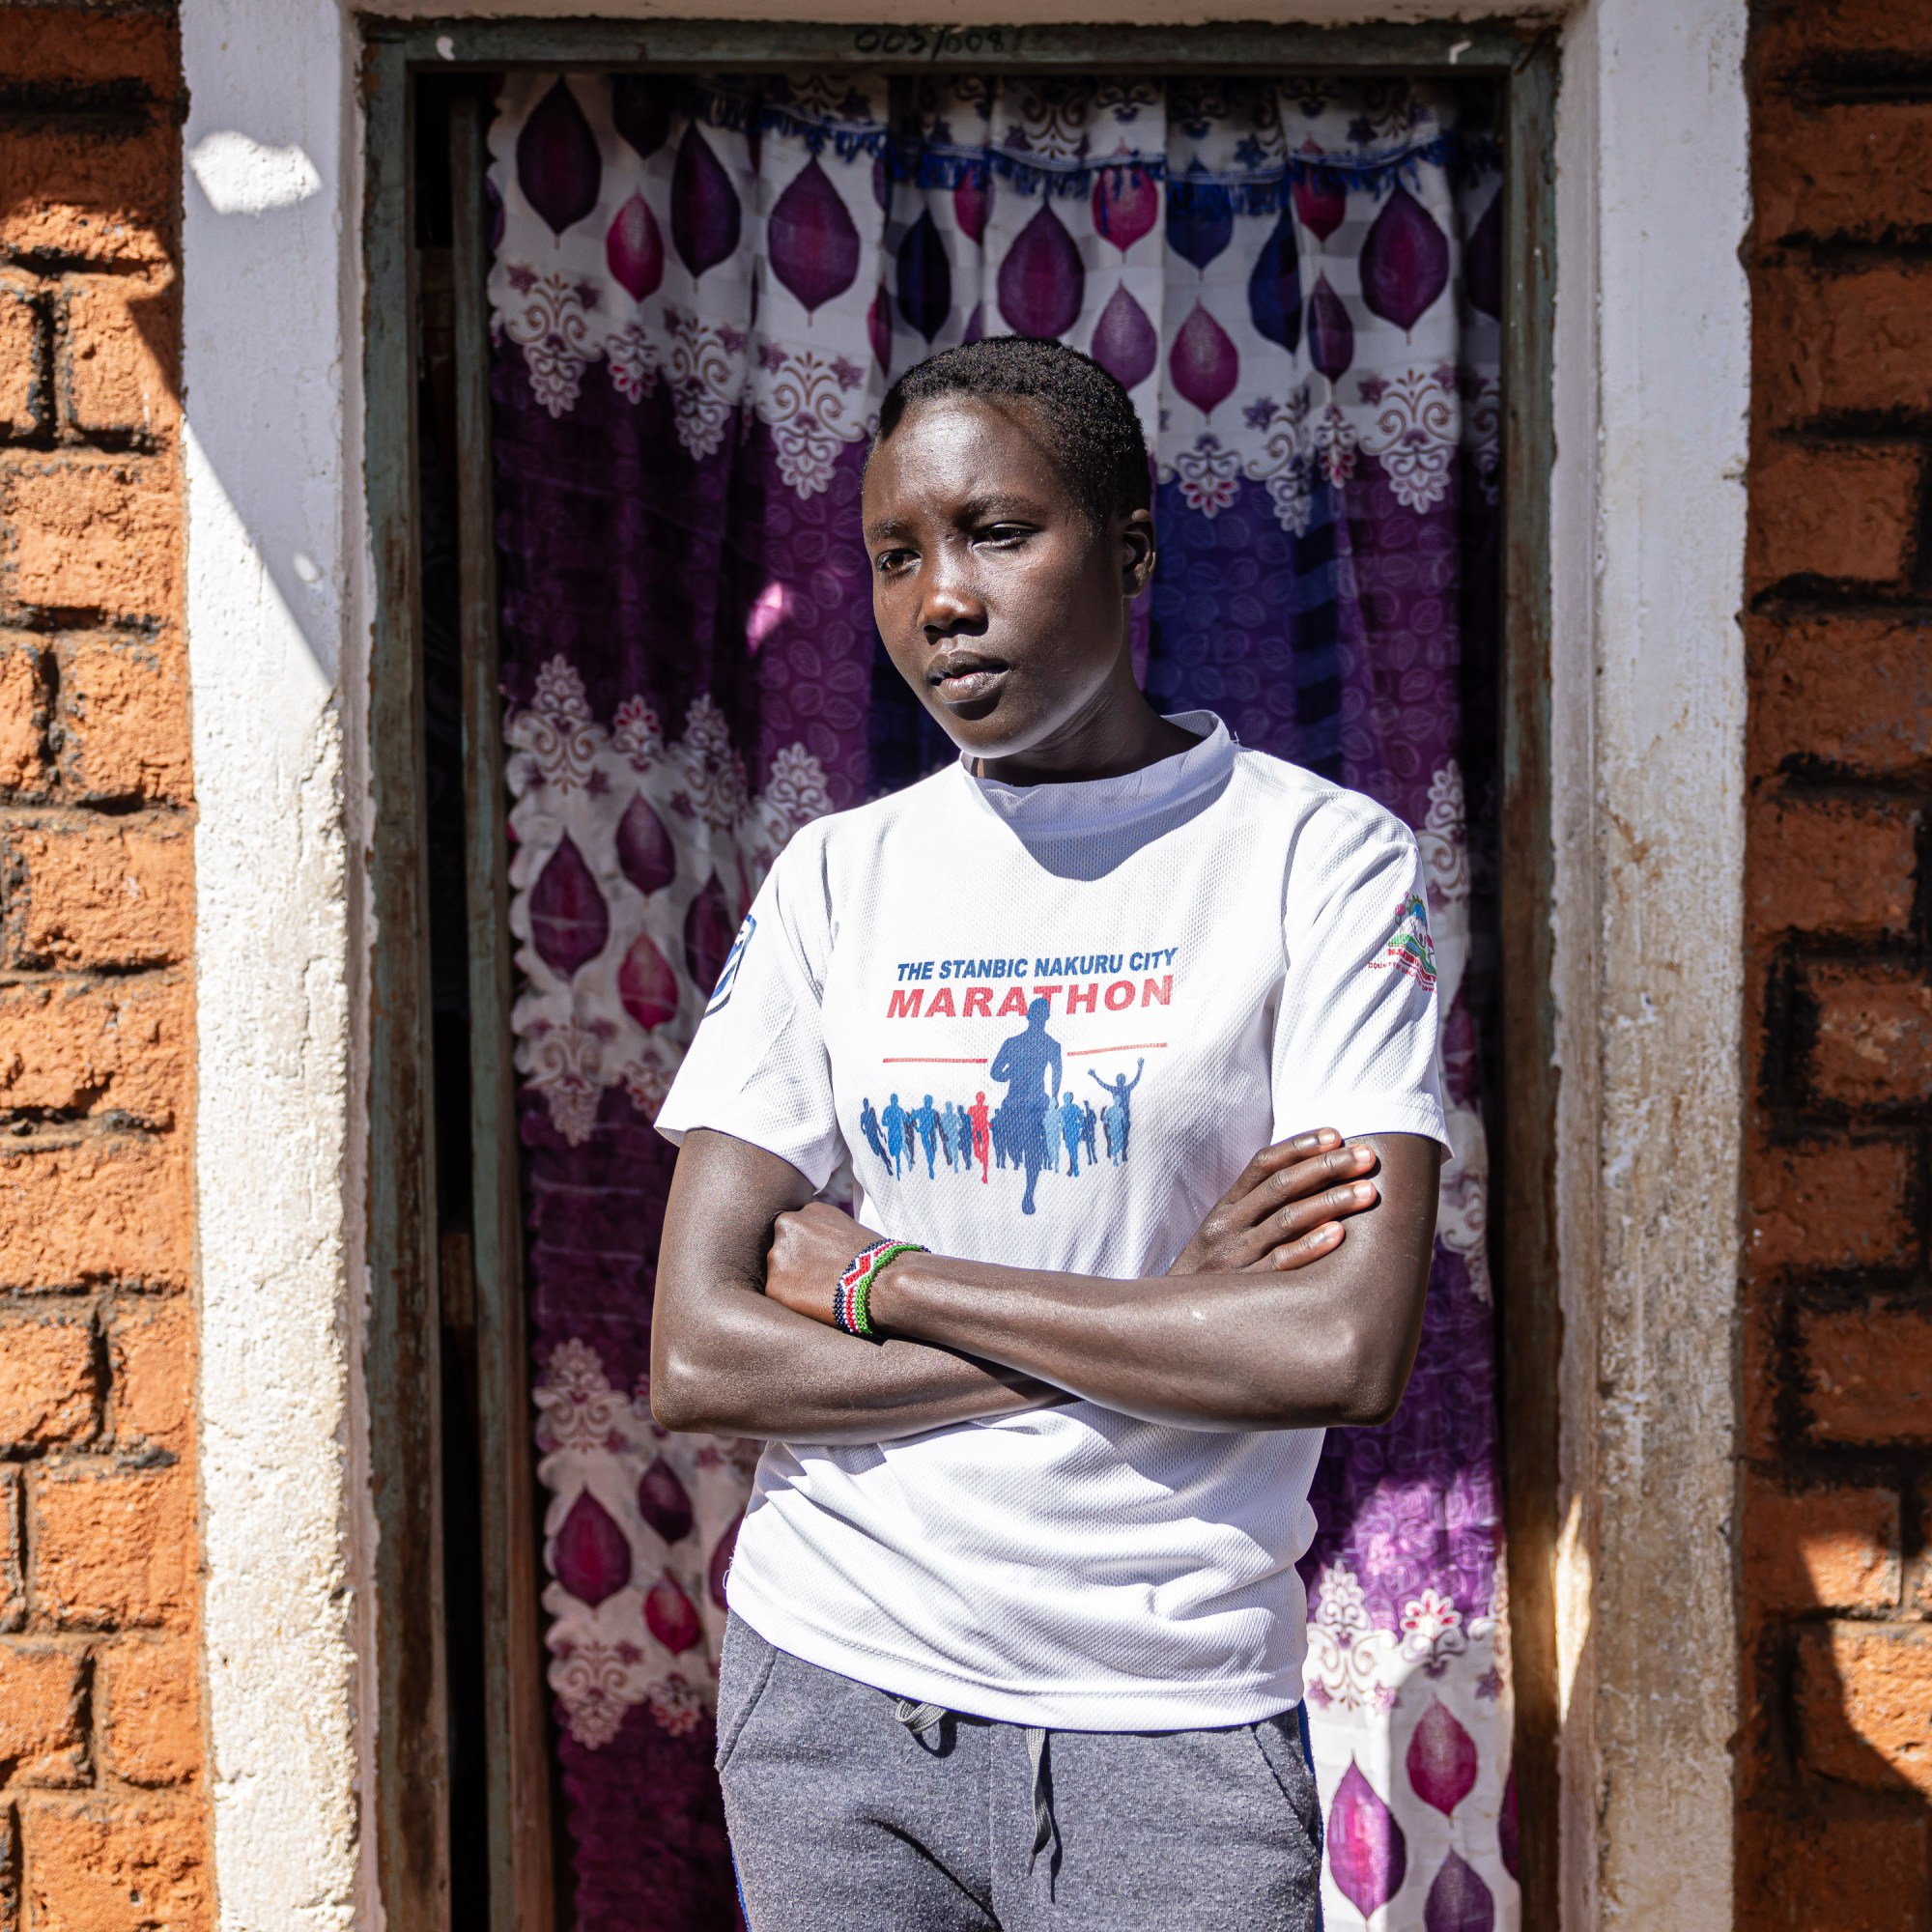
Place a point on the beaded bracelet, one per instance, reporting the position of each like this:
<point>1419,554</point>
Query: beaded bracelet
<point>850,1310</point>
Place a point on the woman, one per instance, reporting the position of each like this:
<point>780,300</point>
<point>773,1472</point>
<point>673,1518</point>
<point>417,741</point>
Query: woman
<point>1016,1636</point>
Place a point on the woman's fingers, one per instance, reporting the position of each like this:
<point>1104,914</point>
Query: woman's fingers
<point>1301,1179</point>
<point>1272,1159</point>
<point>1305,1248</point>
<point>1296,1219</point>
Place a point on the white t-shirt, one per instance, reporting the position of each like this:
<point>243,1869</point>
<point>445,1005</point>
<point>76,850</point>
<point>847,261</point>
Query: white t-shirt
<point>1047,1026</point>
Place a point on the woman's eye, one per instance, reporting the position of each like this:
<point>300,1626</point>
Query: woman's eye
<point>1004,534</point>
<point>889,560</point>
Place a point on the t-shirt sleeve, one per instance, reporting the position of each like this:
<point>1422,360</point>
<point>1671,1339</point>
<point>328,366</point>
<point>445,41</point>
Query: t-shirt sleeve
<point>1355,1042</point>
<point>757,1068</point>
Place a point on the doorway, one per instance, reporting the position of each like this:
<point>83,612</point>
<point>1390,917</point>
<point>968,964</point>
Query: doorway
<point>475,910</point>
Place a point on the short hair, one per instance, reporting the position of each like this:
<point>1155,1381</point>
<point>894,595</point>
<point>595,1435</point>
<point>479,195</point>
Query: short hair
<point>1096,433</point>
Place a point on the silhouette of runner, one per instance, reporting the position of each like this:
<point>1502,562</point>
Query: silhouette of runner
<point>928,1123</point>
<point>869,1126</point>
<point>1120,1114</point>
<point>1028,1064</point>
<point>1086,1133</point>
<point>895,1119</point>
<point>978,1120</point>
<point>948,1144</point>
<point>1049,1130</point>
<point>1071,1121</point>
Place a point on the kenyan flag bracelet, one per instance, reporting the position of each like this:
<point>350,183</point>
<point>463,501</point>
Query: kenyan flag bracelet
<point>850,1301</point>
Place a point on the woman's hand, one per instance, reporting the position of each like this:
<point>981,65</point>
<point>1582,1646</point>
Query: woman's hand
<point>1286,1210</point>
<point>811,1247</point>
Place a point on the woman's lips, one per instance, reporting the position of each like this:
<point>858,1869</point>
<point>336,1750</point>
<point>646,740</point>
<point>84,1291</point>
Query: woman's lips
<point>966,687</point>
<point>969,681</point>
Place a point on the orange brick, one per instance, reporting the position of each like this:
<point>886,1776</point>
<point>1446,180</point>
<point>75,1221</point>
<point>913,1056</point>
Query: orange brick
<point>1836,1874</point>
<point>147,1701</point>
<point>97,535</point>
<point>1834,1550</point>
<point>109,1210</point>
<point>1848,514</point>
<point>23,720</point>
<point>1831,1207</point>
<point>1867,1372</point>
<point>95,894</point>
<point>112,1548</point>
<point>104,196</point>
<point>1848,168</point>
<point>23,361</point>
<point>1865,1703</point>
<point>43,1731</point>
<point>121,353</point>
<point>1874,1043</point>
<point>107,1048</point>
<point>48,46</point>
<point>115,1865</point>
<point>1790,32</point>
<point>1824,865</point>
<point>150,1347</point>
<point>124,719</point>
<point>1853,691</point>
<point>49,1390</point>
<point>1859,341</point>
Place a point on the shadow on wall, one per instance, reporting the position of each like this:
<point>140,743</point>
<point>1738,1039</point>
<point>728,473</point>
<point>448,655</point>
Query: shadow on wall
<point>1835,1775</point>
<point>1836,1674</point>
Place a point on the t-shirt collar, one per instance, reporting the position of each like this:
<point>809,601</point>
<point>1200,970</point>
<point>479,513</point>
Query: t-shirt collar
<point>1092,804</point>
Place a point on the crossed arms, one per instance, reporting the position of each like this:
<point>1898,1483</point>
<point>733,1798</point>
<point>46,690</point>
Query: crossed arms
<point>1270,1319</point>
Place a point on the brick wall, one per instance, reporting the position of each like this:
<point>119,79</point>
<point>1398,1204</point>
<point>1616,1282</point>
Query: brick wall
<point>1835,1547</point>
<point>103,1822</point>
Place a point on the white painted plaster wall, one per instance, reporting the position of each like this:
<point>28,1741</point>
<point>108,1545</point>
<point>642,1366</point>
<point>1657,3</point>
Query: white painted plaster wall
<point>1653,380</point>
<point>1654,370</point>
<point>272,526</point>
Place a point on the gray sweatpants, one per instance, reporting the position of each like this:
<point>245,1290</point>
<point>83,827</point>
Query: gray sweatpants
<point>853,1812</point>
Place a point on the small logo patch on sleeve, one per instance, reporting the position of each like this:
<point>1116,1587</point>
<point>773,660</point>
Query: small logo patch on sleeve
<point>1409,950</point>
<point>721,993</point>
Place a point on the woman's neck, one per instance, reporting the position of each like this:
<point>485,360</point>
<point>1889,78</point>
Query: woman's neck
<point>1119,732</point>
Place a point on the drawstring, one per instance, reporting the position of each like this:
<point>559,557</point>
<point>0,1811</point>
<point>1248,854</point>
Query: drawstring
<point>919,1718</point>
<point>1045,1829</point>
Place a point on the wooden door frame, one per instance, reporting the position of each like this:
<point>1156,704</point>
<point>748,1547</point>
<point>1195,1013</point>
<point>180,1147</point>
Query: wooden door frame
<point>408,1806</point>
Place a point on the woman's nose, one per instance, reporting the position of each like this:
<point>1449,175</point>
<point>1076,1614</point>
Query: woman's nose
<point>950,603</point>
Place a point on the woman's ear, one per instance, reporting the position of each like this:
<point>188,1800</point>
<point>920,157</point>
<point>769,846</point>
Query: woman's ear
<point>1137,552</point>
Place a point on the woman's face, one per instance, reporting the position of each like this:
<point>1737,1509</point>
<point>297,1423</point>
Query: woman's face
<point>998,600</point>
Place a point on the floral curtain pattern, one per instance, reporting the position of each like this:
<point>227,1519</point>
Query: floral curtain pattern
<point>699,290</point>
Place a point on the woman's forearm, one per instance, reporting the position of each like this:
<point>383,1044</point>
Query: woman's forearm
<point>752,1367</point>
<point>727,1360</point>
<point>1188,1349</point>
<point>1332,1342</point>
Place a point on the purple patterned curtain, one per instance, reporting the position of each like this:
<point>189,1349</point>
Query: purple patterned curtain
<point>699,290</point>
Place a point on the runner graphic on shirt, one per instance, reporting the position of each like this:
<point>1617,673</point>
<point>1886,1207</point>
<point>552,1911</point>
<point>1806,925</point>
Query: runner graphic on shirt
<point>1028,1064</point>
<point>1038,1124</point>
<point>982,1124</point>
<point>1120,1110</point>
<point>1029,1131</point>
